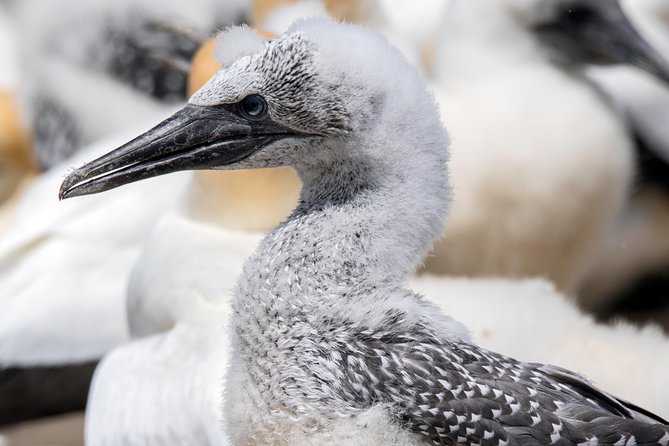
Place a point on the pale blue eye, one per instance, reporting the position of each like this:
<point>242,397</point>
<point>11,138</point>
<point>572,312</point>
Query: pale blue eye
<point>253,106</point>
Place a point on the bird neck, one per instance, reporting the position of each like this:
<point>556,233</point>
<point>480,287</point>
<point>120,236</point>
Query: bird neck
<point>243,200</point>
<point>356,226</point>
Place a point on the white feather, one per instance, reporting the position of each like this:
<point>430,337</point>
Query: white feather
<point>164,387</point>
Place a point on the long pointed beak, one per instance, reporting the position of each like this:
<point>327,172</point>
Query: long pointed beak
<point>602,34</point>
<point>625,45</point>
<point>193,138</point>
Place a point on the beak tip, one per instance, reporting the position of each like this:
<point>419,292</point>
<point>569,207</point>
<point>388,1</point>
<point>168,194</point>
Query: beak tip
<point>67,186</point>
<point>62,193</point>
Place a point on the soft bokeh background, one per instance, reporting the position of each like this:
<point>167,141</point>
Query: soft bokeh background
<point>562,257</point>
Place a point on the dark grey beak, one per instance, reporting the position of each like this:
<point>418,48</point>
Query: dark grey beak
<point>599,32</point>
<point>194,138</point>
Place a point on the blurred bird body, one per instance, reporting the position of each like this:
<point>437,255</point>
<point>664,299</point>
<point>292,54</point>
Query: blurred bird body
<point>631,274</point>
<point>541,163</point>
<point>63,276</point>
<point>179,354</point>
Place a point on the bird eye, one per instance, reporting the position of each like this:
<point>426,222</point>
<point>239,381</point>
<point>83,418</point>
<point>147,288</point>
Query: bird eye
<point>580,14</point>
<point>253,107</point>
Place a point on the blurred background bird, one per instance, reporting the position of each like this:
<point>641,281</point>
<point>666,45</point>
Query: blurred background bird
<point>538,189</point>
<point>545,167</point>
<point>630,278</point>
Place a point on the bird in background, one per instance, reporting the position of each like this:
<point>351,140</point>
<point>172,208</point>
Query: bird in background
<point>134,54</point>
<point>536,192</point>
<point>328,346</point>
<point>630,278</point>
<point>16,161</point>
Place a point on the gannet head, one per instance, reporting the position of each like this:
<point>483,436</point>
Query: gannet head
<point>568,32</point>
<point>594,31</point>
<point>318,95</point>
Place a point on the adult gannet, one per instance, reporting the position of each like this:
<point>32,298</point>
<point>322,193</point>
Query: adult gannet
<point>16,163</point>
<point>630,277</point>
<point>535,191</point>
<point>328,347</point>
<point>110,50</point>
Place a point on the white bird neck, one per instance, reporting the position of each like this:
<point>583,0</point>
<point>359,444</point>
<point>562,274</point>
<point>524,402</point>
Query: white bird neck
<point>357,225</point>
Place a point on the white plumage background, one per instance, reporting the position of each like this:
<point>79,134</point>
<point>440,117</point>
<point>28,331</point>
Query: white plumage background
<point>113,308</point>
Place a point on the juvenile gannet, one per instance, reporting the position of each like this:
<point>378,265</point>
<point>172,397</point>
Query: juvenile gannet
<point>328,347</point>
<point>180,320</point>
<point>139,394</point>
<point>630,277</point>
<point>536,191</point>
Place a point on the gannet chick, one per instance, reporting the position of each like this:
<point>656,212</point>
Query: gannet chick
<point>535,192</point>
<point>328,347</point>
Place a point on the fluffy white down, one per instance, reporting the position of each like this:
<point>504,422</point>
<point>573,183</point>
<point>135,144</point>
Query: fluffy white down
<point>534,188</point>
<point>164,387</point>
<point>64,266</point>
<point>530,321</point>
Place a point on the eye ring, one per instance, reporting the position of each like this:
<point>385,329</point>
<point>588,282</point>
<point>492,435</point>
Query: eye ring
<point>253,107</point>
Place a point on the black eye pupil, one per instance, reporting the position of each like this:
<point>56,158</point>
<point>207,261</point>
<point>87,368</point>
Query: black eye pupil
<point>580,14</point>
<point>254,106</point>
